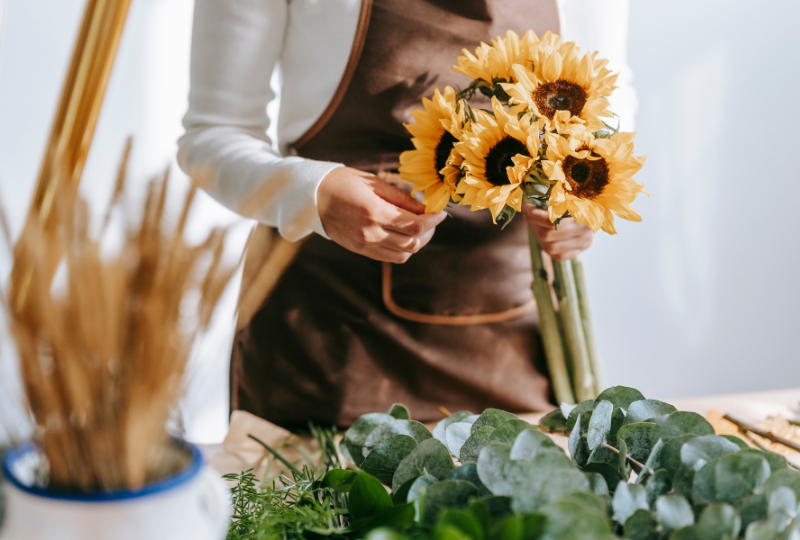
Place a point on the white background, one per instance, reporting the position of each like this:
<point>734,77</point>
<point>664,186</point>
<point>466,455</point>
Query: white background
<point>699,298</point>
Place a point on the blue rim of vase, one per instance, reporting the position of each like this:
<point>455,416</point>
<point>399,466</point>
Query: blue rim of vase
<point>165,484</point>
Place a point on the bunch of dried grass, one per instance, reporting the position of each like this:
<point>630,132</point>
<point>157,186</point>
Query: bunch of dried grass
<point>103,358</point>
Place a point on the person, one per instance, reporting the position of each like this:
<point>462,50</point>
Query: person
<point>382,303</point>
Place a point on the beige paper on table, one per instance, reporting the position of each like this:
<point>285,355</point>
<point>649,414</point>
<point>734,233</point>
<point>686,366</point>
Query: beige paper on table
<point>241,453</point>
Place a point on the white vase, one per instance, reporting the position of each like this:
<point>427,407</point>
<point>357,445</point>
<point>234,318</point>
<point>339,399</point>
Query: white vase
<point>193,504</point>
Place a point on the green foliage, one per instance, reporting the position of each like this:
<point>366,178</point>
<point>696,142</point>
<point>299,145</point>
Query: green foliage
<point>637,469</point>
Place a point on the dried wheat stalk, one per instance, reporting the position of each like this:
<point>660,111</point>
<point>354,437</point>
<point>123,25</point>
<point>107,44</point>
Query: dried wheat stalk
<point>103,357</point>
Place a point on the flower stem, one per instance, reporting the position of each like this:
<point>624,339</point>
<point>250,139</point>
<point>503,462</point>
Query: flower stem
<point>548,326</point>
<point>588,327</point>
<point>568,309</point>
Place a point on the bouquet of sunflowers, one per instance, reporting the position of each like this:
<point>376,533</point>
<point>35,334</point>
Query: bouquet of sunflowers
<point>541,140</point>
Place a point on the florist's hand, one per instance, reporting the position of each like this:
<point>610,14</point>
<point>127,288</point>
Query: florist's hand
<point>563,244</point>
<point>365,215</point>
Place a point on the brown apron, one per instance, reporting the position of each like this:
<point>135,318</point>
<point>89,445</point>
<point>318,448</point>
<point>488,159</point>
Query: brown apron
<point>324,346</point>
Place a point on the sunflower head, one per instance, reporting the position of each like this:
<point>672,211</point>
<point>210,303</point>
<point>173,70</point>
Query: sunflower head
<point>433,167</point>
<point>562,85</point>
<point>593,177</point>
<point>493,62</point>
<point>498,152</point>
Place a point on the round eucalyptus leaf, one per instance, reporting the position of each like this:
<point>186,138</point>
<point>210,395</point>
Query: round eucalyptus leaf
<point>446,494</point>
<point>673,512</point>
<point>761,530</point>
<point>475,443</point>
<point>429,457</point>
<point>456,435</point>
<point>506,433</point>
<point>686,533</point>
<point>628,498</point>
<point>782,508</point>
<point>441,427</point>
<point>493,418</point>
<point>469,473</point>
<point>737,441</point>
<point>648,410</point>
<point>399,411</point>
<point>784,477</point>
<point>590,501</point>
<point>495,506</point>
<point>555,420</point>
<point>394,427</point>
<point>582,407</point>
<point>703,486</point>
<point>599,424</point>
<point>609,472</point>
<point>620,396</point>
<point>719,522</point>
<point>418,485</point>
<point>356,436</point>
<point>637,439</point>
<point>546,487</point>
<point>707,447</point>
<point>752,508</point>
<point>597,483</point>
<point>654,459</point>
<point>499,472</point>
<point>641,526</point>
<point>776,461</point>
<point>384,459</point>
<point>566,408</point>
<point>670,459</point>
<point>660,483</point>
<point>569,519</point>
<point>551,459</point>
<point>740,475</point>
<point>575,438</point>
<point>681,423</point>
<point>529,443</point>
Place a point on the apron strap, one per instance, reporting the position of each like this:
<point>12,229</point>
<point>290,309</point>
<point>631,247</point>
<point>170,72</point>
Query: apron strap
<point>447,320</point>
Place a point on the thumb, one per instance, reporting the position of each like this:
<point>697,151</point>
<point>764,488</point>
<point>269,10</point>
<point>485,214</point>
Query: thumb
<point>397,197</point>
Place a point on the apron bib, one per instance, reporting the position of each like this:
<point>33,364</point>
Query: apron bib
<point>324,346</point>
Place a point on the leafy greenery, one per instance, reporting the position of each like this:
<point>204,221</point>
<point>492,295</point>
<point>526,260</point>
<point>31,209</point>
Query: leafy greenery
<point>638,469</point>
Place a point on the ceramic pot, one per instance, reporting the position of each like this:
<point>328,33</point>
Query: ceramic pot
<point>193,503</point>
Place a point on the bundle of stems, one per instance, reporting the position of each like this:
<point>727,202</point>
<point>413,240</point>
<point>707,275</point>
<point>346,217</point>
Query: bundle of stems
<point>566,328</point>
<point>104,342</point>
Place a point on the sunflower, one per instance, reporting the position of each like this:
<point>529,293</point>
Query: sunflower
<point>493,62</point>
<point>433,167</point>
<point>562,85</point>
<point>594,177</point>
<point>498,152</point>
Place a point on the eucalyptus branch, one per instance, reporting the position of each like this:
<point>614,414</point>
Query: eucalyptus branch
<point>628,457</point>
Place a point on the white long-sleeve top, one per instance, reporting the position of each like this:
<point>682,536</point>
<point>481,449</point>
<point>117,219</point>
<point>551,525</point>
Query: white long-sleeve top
<point>238,45</point>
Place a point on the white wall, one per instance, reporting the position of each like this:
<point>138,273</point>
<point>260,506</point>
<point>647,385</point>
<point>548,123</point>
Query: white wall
<point>697,299</point>
<point>702,296</point>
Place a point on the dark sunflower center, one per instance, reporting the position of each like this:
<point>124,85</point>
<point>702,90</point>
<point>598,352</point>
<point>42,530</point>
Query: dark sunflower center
<point>443,150</point>
<point>559,96</point>
<point>587,177</point>
<point>499,159</point>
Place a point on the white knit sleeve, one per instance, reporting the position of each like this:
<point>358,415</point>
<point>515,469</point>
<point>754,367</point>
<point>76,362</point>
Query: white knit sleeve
<point>225,150</point>
<point>603,26</point>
